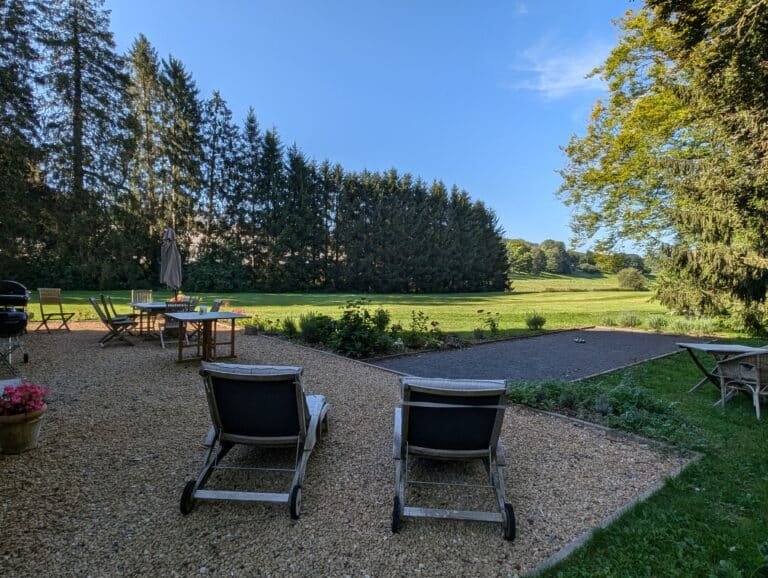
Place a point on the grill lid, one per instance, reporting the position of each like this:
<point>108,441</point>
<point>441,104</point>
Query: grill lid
<point>13,294</point>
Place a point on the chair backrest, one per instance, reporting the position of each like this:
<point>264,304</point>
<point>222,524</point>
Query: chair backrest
<point>50,296</point>
<point>141,295</point>
<point>257,403</point>
<point>109,307</point>
<point>104,319</point>
<point>194,302</point>
<point>174,307</point>
<point>440,417</point>
<point>216,305</point>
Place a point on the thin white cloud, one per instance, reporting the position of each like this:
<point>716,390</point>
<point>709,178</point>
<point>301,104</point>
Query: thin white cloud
<point>555,72</point>
<point>521,8</point>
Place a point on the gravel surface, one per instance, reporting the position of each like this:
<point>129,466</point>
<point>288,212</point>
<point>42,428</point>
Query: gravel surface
<point>554,356</point>
<point>122,435</point>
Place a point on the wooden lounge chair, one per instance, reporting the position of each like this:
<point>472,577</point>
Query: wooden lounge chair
<point>118,327</point>
<point>449,419</point>
<point>747,372</point>
<point>50,298</point>
<point>262,406</point>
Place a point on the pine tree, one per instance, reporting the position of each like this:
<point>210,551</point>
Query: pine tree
<point>272,189</point>
<point>84,124</point>
<point>221,143</point>
<point>182,147</point>
<point>245,207</point>
<point>18,132</point>
<point>145,100</point>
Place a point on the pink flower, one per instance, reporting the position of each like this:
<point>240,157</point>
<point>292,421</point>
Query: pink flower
<point>23,398</point>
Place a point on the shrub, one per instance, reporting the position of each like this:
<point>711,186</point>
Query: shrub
<point>656,322</point>
<point>629,319</point>
<point>490,320</point>
<point>422,333</point>
<point>478,332</point>
<point>681,326</point>
<point>631,278</point>
<point>357,334</point>
<point>589,268</point>
<point>317,328</point>
<point>623,406</point>
<point>535,321</point>
<point>608,321</point>
<point>289,327</point>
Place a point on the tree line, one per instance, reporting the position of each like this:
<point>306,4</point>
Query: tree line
<point>675,156</point>
<point>551,256</point>
<point>100,152</point>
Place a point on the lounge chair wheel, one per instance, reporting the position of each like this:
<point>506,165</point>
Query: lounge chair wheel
<point>295,502</point>
<point>396,516</point>
<point>26,358</point>
<point>187,498</point>
<point>510,528</point>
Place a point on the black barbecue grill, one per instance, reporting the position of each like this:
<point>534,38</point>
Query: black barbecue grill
<point>14,298</point>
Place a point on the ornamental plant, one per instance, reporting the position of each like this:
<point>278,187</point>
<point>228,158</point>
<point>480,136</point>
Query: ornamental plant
<point>22,398</point>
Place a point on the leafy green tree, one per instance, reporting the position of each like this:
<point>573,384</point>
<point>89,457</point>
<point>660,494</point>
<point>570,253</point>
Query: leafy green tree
<point>557,259</point>
<point>520,256</point>
<point>675,159</point>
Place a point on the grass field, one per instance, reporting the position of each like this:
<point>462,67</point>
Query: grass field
<point>563,301</point>
<point>710,521</point>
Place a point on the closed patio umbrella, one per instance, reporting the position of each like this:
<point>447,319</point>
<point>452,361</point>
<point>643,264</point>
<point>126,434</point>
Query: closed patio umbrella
<point>170,261</point>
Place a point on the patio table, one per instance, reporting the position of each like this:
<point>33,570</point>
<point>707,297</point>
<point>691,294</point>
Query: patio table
<point>718,351</point>
<point>148,311</point>
<point>204,322</point>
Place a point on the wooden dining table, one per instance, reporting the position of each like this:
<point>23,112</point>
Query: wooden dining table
<point>204,326</point>
<point>148,311</point>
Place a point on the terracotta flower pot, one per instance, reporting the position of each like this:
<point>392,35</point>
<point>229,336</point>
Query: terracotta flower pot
<point>18,433</point>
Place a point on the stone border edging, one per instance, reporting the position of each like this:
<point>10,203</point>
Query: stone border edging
<point>578,542</point>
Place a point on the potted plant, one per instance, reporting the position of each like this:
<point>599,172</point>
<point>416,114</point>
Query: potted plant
<point>22,406</point>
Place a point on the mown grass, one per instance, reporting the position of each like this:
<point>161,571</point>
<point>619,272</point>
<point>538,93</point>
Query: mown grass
<point>563,301</point>
<point>709,521</point>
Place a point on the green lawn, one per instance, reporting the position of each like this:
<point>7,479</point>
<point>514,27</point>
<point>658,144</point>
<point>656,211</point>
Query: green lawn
<point>712,519</point>
<point>564,302</point>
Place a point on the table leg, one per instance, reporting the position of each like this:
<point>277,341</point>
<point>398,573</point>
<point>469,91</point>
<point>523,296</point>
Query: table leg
<point>207,353</point>
<point>182,333</point>
<point>708,375</point>
<point>232,339</point>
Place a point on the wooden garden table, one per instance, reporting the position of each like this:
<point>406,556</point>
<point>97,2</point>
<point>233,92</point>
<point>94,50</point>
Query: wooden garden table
<point>204,324</point>
<point>718,351</point>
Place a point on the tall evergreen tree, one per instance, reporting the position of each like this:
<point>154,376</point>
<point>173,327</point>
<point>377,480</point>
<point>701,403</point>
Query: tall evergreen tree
<point>245,207</point>
<point>221,144</point>
<point>272,189</point>
<point>182,147</point>
<point>18,132</point>
<point>84,121</point>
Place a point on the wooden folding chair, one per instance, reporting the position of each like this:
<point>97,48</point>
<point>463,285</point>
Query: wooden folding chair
<point>52,299</point>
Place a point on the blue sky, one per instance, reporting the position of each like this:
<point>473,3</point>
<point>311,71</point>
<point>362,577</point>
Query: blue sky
<point>480,94</point>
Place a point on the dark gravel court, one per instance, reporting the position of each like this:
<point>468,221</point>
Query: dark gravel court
<point>554,356</point>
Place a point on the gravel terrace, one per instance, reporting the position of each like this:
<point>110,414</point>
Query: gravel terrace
<point>122,435</point>
<point>553,356</point>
